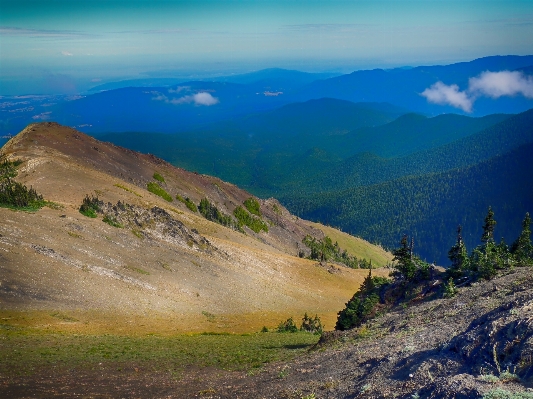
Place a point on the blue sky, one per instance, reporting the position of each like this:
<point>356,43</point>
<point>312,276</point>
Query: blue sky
<point>67,46</point>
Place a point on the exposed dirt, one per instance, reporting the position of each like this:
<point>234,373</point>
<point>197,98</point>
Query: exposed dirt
<point>444,348</point>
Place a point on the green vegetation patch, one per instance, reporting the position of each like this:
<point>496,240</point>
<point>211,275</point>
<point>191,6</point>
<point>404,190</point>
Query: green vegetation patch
<point>212,213</point>
<point>90,206</point>
<point>363,305</point>
<point>188,203</point>
<point>253,222</point>
<point>137,270</point>
<point>158,177</point>
<point>127,189</point>
<point>157,190</point>
<point>15,195</point>
<point>500,393</point>
<point>253,206</point>
<point>112,221</point>
<point>326,250</point>
<point>25,353</point>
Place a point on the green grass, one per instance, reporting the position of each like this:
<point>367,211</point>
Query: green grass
<point>112,221</point>
<point>127,189</point>
<point>157,190</point>
<point>253,206</point>
<point>188,203</point>
<point>500,393</point>
<point>23,352</point>
<point>137,270</point>
<point>246,219</point>
<point>158,177</point>
<point>32,207</point>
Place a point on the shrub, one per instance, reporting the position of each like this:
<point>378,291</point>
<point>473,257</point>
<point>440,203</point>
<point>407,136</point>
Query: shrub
<point>449,289</point>
<point>157,190</point>
<point>325,249</point>
<point>253,206</point>
<point>244,218</point>
<point>112,221</point>
<point>287,326</point>
<point>14,194</point>
<point>158,177</point>
<point>188,203</point>
<point>363,304</point>
<point>90,206</point>
<point>211,212</point>
<point>311,325</point>
<point>499,393</point>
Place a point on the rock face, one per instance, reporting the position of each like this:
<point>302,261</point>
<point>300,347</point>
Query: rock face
<point>155,223</point>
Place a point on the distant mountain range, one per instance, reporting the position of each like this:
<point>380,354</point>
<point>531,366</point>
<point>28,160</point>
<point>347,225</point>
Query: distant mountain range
<point>329,145</point>
<point>169,105</point>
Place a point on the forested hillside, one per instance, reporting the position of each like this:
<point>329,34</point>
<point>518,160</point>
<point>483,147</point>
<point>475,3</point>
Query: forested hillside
<point>367,168</point>
<point>430,207</point>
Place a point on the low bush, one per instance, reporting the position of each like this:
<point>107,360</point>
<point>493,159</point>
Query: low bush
<point>253,222</point>
<point>158,177</point>
<point>312,324</point>
<point>14,194</point>
<point>157,190</point>
<point>188,203</point>
<point>287,326</point>
<point>253,206</point>
<point>211,212</point>
<point>90,206</point>
<point>363,304</point>
<point>112,221</point>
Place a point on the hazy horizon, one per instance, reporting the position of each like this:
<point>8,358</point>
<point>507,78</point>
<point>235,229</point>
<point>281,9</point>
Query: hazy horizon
<point>66,47</point>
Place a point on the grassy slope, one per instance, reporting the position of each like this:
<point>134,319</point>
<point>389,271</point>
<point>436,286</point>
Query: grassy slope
<point>356,246</point>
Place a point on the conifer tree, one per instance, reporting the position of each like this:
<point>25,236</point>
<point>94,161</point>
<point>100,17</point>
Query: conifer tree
<point>406,266</point>
<point>522,249</point>
<point>458,255</point>
<point>488,227</point>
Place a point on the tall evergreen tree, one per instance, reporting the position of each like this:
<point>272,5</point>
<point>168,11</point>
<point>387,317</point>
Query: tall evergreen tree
<point>488,227</point>
<point>522,249</point>
<point>458,255</point>
<point>406,265</point>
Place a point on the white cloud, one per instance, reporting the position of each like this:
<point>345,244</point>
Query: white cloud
<point>503,83</point>
<point>42,116</point>
<point>67,54</point>
<point>160,97</point>
<point>202,98</point>
<point>487,84</point>
<point>439,93</point>
<point>205,98</point>
<point>179,89</point>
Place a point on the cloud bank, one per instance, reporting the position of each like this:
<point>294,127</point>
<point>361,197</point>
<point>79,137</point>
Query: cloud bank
<point>201,98</point>
<point>504,83</point>
<point>442,94</point>
<point>487,84</point>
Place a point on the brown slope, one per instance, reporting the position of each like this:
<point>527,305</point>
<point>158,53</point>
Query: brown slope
<point>157,268</point>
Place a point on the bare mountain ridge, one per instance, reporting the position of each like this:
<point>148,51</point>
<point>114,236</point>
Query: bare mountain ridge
<point>167,266</point>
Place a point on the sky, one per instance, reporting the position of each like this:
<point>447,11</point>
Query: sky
<point>58,46</point>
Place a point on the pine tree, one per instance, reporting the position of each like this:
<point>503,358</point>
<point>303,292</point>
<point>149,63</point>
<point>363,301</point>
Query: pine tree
<point>458,255</point>
<point>488,227</point>
<point>406,266</point>
<point>522,249</point>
